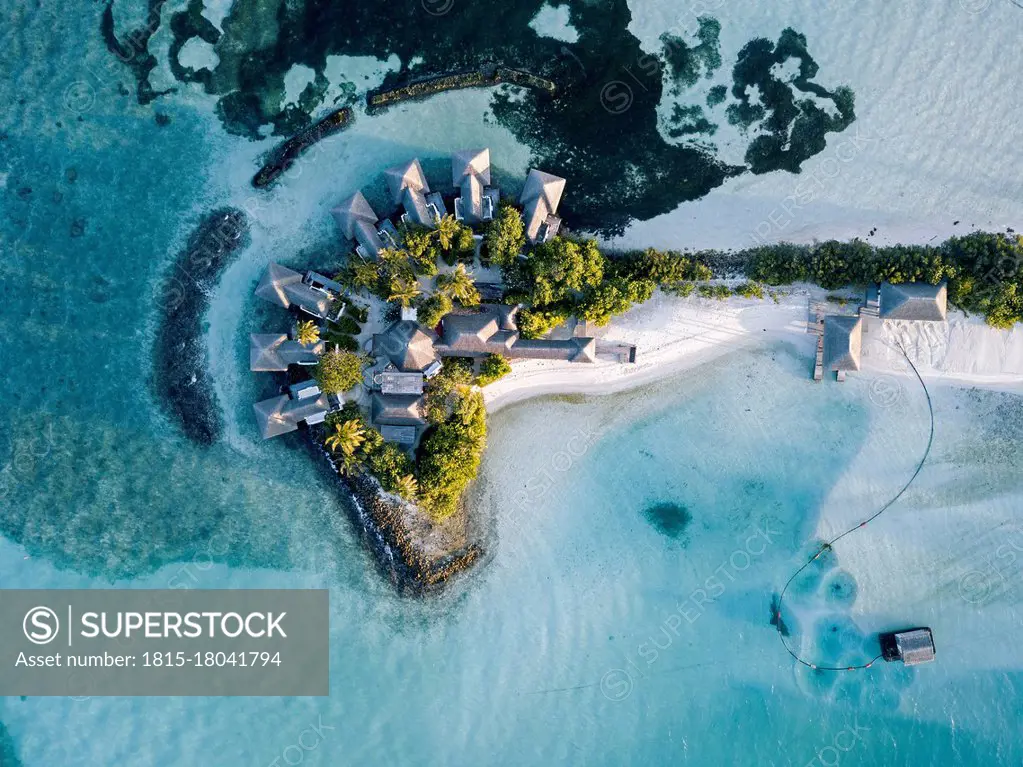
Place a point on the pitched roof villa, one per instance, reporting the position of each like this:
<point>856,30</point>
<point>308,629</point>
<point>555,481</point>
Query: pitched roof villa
<point>358,222</point>
<point>540,198</point>
<point>470,173</point>
<point>843,339</point>
<point>917,301</point>
<point>273,353</point>
<point>397,410</point>
<point>408,346</point>
<point>494,331</point>
<point>304,403</point>
<point>410,190</point>
<point>286,287</point>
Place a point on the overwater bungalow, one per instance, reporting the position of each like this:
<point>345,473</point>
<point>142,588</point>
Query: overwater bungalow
<point>408,346</point>
<point>914,301</point>
<point>843,341</point>
<point>274,353</point>
<point>540,198</point>
<point>409,189</point>
<point>912,647</point>
<point>360,223</point>
<point>470,174</point>
<point>494,331</point>
<point>304,403</point>
<point>288,288</point>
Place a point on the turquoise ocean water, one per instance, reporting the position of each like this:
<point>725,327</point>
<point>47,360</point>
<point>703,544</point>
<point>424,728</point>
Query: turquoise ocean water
<point>583,641</point>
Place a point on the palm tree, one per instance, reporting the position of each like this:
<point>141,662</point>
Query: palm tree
<point>347,437</point>
<point>460,286</point>
<point>408,487</point>
<point>447,228</point>
<point>403,290</point>
<point>363,274</point>
<point>307,333</point>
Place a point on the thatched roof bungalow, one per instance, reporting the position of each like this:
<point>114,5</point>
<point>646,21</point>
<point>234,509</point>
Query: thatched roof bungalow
<point>407,345</point>
<point>843,340</point>
<point>540,198</point>
<point>914,301</point>
<point>272,353</point>
<point>358,222</point>
<point>470,173</point>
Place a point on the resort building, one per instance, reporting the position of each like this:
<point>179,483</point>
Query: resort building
<point>470,174</point>
<point>304,403</point>
<point>359,222</point>
<point>912,647</point>
<point>273,353</point>
<point>494,331</point>
<point>843,340</point>
<point>311,293</point>
<point>409,189</point>
<point>399,417</point>
<point>393,381</point>
<point>540,198</point>
<point>915,301</point>
<point>409,347</point>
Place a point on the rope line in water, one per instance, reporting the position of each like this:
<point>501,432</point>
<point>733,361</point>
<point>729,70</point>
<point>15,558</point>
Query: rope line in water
<point>827,546</point>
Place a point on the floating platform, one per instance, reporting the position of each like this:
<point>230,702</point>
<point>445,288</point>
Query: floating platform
<point>912,646</point>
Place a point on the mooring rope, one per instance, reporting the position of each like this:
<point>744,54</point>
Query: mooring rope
<point>827,546</point>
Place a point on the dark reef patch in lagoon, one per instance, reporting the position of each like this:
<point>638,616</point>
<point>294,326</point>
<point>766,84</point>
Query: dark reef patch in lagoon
<point>601,131</point>
<point>8,753</point>
<point>791,129</point>
<point>182,380</point>
<point>669,519</point>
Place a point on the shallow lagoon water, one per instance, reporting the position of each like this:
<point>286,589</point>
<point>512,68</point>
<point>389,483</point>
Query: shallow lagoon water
<point>564,648</point>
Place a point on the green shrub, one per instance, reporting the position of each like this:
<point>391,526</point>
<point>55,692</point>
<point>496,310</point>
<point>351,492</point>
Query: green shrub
<point>346,324</point>
<point>536,323</point>
<point>450,455</point>
<point>611,297</point>
<point>719,292</point>
<point>749,290</point>
<point>505,236</point>
<point>344,342</point>
<point>358,313</point>
<point>338,371</point>
<point>390,464</point>
<point>680,289</point>
<point>444,388</point>
<point>432,308</point>
<point>492,368</point>
<point>559,269</point>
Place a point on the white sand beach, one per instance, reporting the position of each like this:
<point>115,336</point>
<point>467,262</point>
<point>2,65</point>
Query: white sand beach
<point>672,334</point>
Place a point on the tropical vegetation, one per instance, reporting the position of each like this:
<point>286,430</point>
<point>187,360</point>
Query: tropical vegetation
<point>338,371</point>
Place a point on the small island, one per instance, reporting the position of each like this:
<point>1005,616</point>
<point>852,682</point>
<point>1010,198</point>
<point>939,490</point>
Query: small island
<point>385,361</point>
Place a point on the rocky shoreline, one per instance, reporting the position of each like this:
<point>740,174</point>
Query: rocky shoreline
<point>417,556</point>
<point>181,379</point>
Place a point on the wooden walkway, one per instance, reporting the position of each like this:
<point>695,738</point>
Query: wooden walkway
<point>817,326</point>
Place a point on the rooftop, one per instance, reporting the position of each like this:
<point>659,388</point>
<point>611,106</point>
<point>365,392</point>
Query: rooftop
<point>915,301</point>
<point>843,337</point>
<point>407,345</point>
<point>285,287</point>
<point>540,198</point>
<point>397,409</point>
<point>275,352</point>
